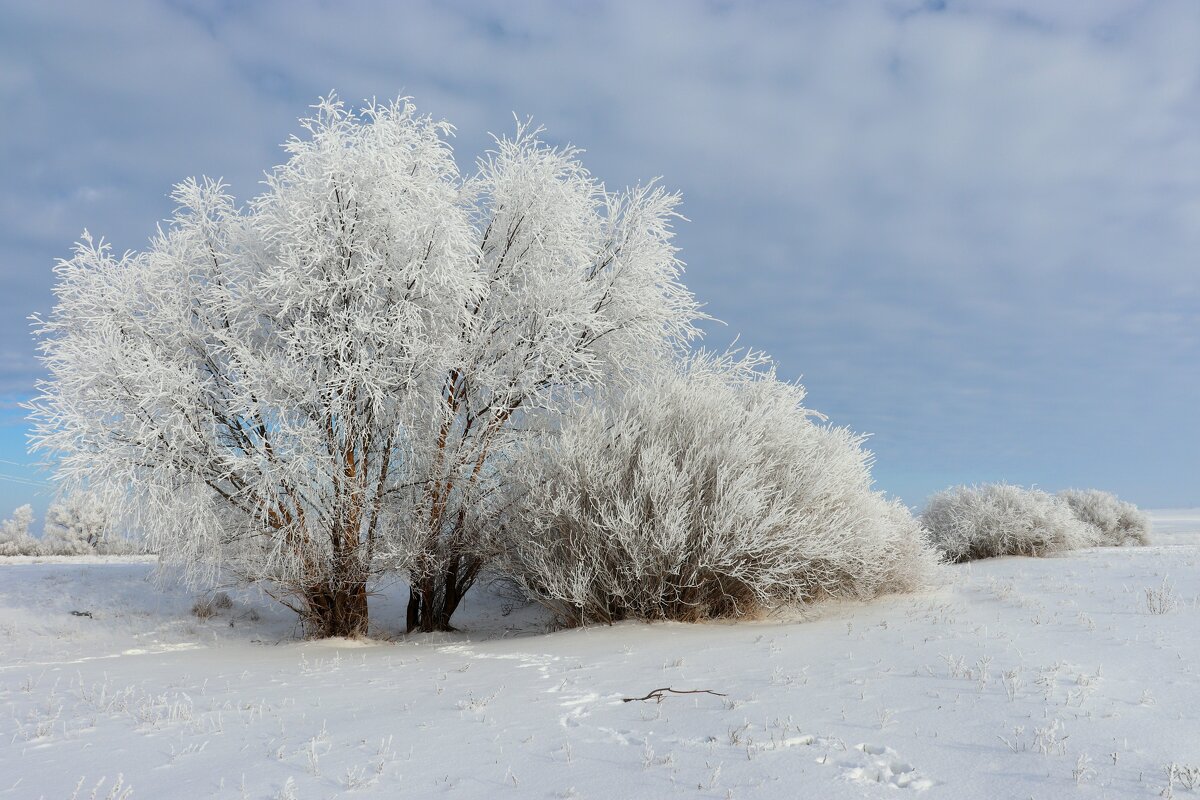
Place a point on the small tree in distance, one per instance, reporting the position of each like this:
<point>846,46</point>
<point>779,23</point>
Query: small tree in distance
<point>324,385</point>
<point>80,523</point>
<point>15,539</point>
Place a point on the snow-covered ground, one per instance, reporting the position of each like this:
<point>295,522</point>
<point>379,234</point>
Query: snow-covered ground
<point>1076,676</point>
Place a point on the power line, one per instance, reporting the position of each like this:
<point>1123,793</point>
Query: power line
<point>24,481</point>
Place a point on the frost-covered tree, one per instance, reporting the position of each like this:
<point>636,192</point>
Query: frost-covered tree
<point>998,519</point>
<point>67,532</point>
<point>82,523</point>
<point>322,386</point>
<point>15,539</point>
<point>1114,522</point>
<point>709,491</point>
<point>576,287</point>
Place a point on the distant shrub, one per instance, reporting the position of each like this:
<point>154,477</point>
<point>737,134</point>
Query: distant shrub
<point>204,609</point>
<point>14,534</point>
<point>1114,522</point>
<point>973,522</point>
<point>710,492</point>
<point>76,525</point>
<point>208,607</point>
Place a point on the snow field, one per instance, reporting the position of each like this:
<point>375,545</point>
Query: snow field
<point>1071,676</point>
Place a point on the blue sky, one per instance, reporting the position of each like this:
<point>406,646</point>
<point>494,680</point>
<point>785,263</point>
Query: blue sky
<point>971,227</point>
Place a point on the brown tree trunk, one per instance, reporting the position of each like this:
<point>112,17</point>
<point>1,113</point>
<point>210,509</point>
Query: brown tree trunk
<point>427,611</point>
<point>433,601</point>
<point>414,609</point>
<point>340,611</point>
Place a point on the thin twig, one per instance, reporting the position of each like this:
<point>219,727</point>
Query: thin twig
<point>657,695</point>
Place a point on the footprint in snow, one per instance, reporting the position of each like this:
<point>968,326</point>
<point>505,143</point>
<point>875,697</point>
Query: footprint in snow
<point>579,708</point>
<point>880,764</point>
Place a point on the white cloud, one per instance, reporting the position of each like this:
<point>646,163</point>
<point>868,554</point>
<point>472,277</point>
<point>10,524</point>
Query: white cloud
<point>977,220</point>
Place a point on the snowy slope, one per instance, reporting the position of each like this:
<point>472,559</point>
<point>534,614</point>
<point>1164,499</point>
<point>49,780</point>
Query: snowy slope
<point>1020,678</point>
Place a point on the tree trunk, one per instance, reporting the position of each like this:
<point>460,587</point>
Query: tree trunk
<point>339,611</point>
<point>433,601</point>
<point>427,609</point>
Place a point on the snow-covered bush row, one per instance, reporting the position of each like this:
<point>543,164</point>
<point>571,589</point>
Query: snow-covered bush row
<point>1114,522</point>
<point>970,522</point>
<point>704,492</point>
<point>74,526</point>
<point>998,519</point>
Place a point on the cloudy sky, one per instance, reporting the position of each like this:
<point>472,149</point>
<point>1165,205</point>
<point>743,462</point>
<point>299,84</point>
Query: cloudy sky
<point>971,227</point>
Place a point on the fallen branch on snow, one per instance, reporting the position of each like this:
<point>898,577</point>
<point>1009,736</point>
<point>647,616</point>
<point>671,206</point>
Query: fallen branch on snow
<point>657,695</point>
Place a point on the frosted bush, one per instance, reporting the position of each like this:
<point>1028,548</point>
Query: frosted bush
<point>972,522</point>
<point>14,534</point>
<point>1114,522</point>
<point>707,492</point>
